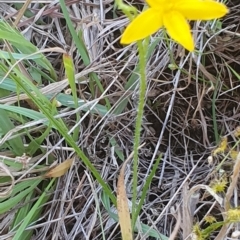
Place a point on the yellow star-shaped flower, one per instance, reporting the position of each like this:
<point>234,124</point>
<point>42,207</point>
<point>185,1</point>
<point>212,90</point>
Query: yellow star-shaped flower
<point>173,15</point>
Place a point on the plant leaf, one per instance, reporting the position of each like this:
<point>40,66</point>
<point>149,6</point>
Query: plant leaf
<point>60,169</point>
<point>122,207</point>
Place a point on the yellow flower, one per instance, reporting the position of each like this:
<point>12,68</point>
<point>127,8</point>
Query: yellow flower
<point>173,15</point>
<point>222,146</point>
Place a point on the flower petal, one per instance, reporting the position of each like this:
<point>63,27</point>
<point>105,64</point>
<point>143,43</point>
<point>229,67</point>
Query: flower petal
<point>201,9</point>
<point>157,4</point>
<point>178,29</point>
<point>145,24</point>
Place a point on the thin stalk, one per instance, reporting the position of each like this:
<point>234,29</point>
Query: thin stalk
<point>142,91</point>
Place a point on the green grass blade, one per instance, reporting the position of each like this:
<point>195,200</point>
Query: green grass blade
<point>69,68</point>
<point>214,119</point>
<point>18,188</point>
<point>49,111</point>
<point>34,145</point>
<point>15,144</point>
<point>23,211</point>
<point>83,52</point>
<point>18,56</point>
<point>24,46</point>
<point>28,219</point>
<point>145,228</point>
<point>13,201</point>
<point>145,189</point>
<point>79,44</point>
<point>117,149</point>
<point>23,111</point>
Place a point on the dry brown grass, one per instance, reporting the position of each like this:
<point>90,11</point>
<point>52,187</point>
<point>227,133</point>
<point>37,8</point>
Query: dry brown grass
<point>178,122</point>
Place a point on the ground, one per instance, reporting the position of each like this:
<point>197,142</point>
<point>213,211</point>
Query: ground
<point>192,102</point>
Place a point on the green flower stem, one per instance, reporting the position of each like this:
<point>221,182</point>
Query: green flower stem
<point>142,91</point>
<point>129,11</point>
